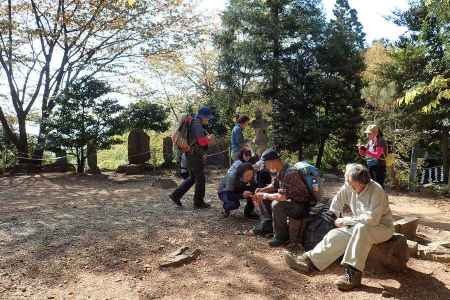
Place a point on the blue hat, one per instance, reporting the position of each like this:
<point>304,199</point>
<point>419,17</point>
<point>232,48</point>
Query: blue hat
<point>205,112</point>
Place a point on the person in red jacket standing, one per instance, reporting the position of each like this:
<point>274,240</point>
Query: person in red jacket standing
<point>199,139</point>
<point>375,154</point>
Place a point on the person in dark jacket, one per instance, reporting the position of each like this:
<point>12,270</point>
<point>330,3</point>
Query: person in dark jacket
<point>236,185</point>
<point>196,158</point>
<point>287,197</point>
<point>245,155</point>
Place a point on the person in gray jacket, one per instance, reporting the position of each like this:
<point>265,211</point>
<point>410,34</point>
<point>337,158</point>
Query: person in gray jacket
<point>239,183</point>
<point>371,223</point>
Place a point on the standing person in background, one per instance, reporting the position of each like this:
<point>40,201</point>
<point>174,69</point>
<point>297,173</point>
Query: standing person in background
<point>237,137</point>
<point>375,154</point>
<point>199,138</point>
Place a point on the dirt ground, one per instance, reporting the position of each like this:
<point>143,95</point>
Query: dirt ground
<point>71,237</point>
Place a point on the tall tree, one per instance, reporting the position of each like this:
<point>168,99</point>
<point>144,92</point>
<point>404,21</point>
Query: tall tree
<point>421,70</point>
<point>341,65</point>
<point>269,45</point>
<point>83,115</point>
<point>46,45</point>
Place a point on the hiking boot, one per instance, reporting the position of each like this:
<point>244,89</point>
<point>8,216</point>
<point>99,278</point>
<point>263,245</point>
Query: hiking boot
<point>202,205</point>
<point>226,213</point>
<point>350,280</point>
<point>278,242</point>
<point>251,215</point>
<point>249,212</point>
<point>301,263</point>
<point>176,201</point>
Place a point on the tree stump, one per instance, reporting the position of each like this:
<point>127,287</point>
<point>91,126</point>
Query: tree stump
<point>391,255</point>
<point>138,147</point>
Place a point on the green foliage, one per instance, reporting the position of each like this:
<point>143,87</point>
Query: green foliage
<point>83,115</point>
<point>285,52</point>
<point>146,115</point>
<point>117,155</point>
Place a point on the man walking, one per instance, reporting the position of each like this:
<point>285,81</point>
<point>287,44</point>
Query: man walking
<point>199,140</point>
<point>370,224</point>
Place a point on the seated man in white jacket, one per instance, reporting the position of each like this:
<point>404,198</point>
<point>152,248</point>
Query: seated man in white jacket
<point>370,224</point>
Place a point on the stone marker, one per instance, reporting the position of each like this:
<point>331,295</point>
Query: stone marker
<point>407,226</point>
<point>92,157</point>
<point>391,255</point>
<point>180,257</point>
<point>168,150</point>
<point>260,126</point>
<point>138,147</point>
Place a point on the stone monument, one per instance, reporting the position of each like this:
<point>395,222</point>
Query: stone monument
<point>260,126</point>
<point>138,147</point>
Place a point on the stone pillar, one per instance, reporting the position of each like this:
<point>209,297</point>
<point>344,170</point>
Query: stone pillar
<point>260,126</point>
<point>168,151</point>
<point>138,147</point>
<point>92,157</point>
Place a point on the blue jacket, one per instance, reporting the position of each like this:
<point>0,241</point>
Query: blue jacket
<point>237,139</point>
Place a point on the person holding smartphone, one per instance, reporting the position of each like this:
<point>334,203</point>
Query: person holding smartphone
<point>374,154</point>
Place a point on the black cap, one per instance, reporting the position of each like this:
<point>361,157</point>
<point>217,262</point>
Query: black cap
<point>270,154</point>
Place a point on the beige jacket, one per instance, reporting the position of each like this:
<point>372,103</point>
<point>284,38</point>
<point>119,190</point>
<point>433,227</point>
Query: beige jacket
<point>370,207</point>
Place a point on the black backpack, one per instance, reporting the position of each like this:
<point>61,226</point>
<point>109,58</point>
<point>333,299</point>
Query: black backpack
<point>321,223</point>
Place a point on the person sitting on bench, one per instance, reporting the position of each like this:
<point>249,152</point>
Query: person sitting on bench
<point>370,224</point>
<point>286,197</point>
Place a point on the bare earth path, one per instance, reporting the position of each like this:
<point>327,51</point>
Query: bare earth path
<point>69,237</point>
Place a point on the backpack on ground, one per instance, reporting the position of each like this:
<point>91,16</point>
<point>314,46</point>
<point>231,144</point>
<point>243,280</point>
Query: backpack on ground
<point>322,221</point>
<point>311,177</point>
<point>181,136</point>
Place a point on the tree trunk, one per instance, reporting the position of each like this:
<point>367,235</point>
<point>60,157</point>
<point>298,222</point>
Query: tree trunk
<point>275,11</point>
<point>38,152</point>
<point>22,146</point>
<point>300,152</point>
<point>80,161</point>
<point>321,151</point>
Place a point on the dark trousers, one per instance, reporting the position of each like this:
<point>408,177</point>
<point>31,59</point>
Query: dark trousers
<point>196,168</point>
<point>232,201</point>
<point>279,212</point>
<point>378,173</point>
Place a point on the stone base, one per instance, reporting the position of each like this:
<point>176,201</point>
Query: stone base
<point>408,227</point>
<point>24,169</point>
<point>135,169</point>
<point>391,255</point>
<point>58,168</point>
<point>436,251</point>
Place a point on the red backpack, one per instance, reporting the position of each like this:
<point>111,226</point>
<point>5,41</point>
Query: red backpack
<point>181,136</point>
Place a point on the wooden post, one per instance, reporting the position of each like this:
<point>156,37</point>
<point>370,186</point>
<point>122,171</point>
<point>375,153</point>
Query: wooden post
<point>413,170</point>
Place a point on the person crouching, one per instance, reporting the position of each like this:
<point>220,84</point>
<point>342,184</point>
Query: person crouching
<point>236,185</point>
